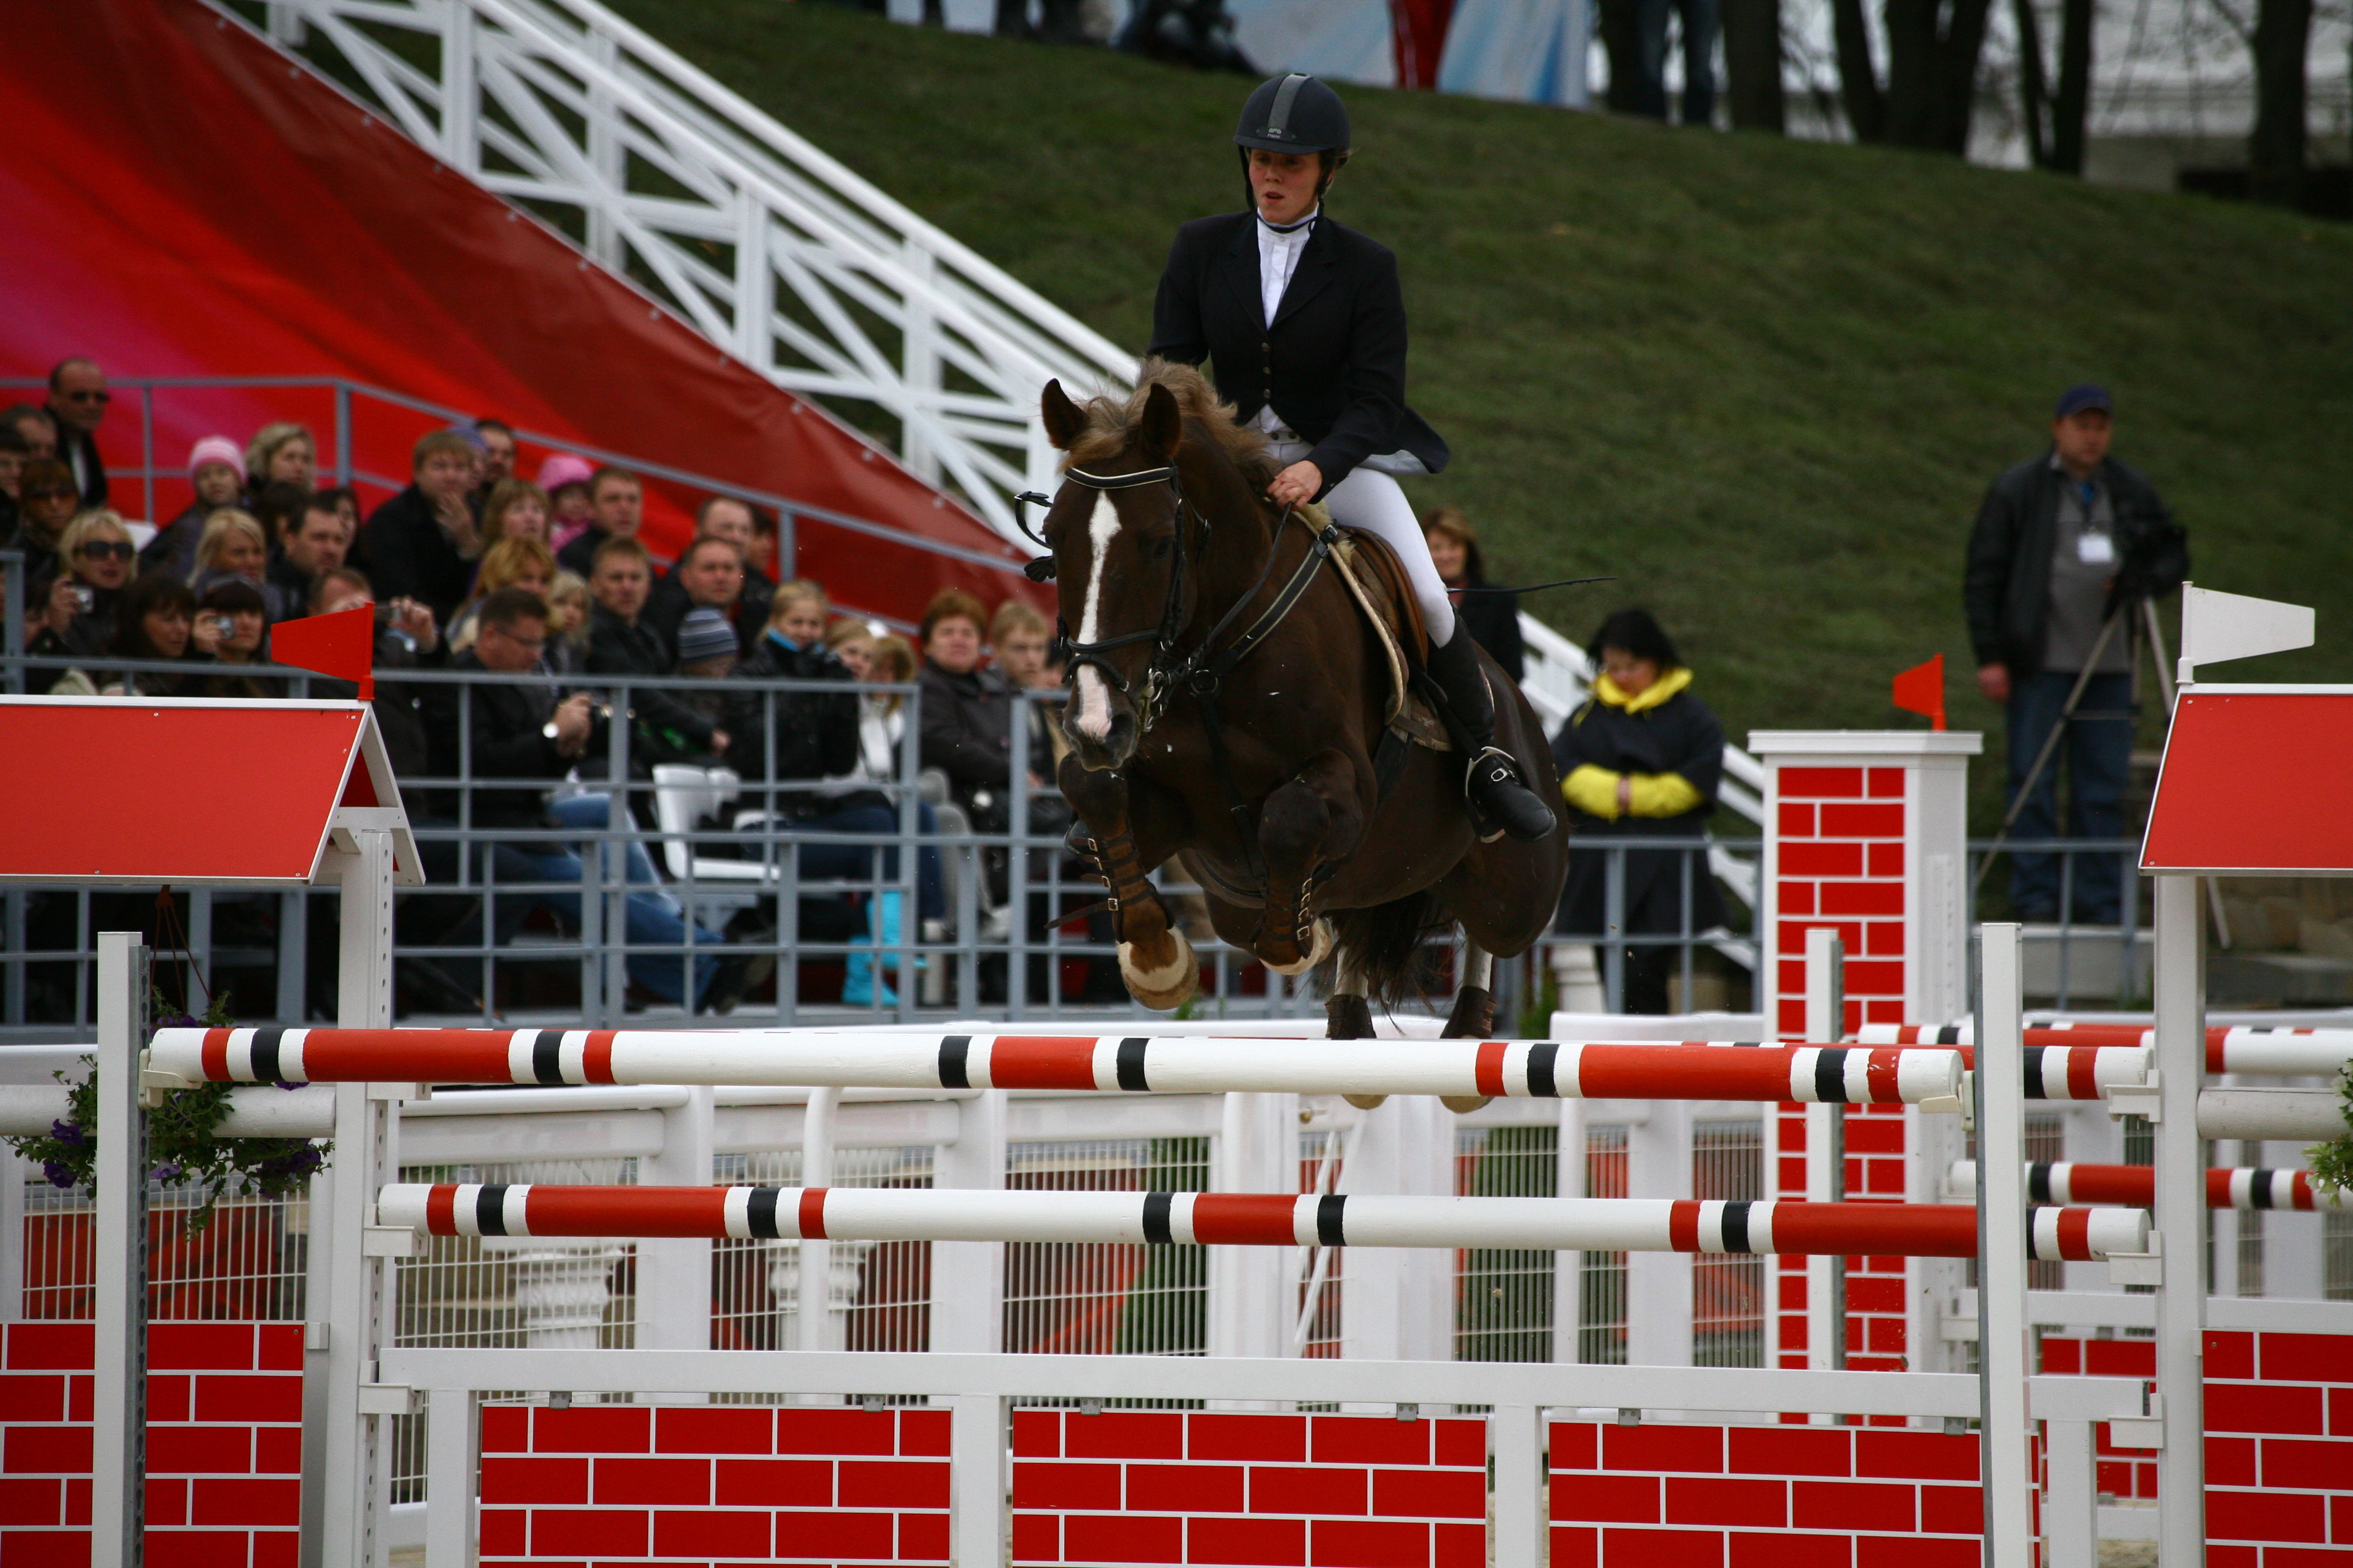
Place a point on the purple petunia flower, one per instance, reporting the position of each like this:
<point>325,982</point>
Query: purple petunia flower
<point>163,1172</point>
<point>59,1176</point>
<point>69,1132</point>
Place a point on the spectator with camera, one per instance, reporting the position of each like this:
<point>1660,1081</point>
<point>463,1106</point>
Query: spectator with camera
<point>232,629</point>
<point>616,509</point>
<point>94,559</point>
<point>422,543</point>
<point>78,400</point>
<point>521,732</point>
<point>2067,549</point>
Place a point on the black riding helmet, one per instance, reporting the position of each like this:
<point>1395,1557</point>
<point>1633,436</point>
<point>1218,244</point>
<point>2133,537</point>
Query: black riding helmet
<point>1295,113</point>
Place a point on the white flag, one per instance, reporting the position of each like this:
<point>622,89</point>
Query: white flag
<point>2218,626</point>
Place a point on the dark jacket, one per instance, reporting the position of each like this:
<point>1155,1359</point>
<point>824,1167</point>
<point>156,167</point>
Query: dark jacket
<point>406,554</point>
<point>667,727</point>
<point>2006,583</point>
<point>399,715</point>
<point>667,605</point>
<point>816,734</point>
<point>578,555</point>
<point>93,467</point>
<point>88,633</point>
<point>1333,361</point>
<point>1679,736</point>
<point>967,726</point>
<point>290,584</point>
<point>506,730</point>
<point>173,548</point>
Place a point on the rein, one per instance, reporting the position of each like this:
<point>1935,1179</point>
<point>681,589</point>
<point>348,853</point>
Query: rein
<point>1202,672</point>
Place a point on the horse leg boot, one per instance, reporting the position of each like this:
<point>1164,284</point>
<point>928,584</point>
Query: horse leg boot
<point>1473,1017</point>
<point>1155,959</point>
<point>1500,799</point>
<point>1308,820</point>
<point>1347,1016</point>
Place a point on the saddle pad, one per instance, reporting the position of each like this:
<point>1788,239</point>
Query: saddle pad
<point>1378,584</point>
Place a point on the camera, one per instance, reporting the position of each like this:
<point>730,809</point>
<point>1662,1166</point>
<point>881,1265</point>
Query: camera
<point>85,598</point>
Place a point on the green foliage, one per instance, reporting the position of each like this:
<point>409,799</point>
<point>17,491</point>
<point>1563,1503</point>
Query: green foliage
<point>1763,381</point>
<point>2332,1163</point>
<point>181,1145</point>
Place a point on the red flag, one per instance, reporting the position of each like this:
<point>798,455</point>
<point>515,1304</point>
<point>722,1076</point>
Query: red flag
<point>342,644</point>
<point>1921,690</point>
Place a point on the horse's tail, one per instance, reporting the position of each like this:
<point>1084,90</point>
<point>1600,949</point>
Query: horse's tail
<point>1386,946</point>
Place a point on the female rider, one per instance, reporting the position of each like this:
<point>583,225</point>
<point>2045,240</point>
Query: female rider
<point>1305,326</point>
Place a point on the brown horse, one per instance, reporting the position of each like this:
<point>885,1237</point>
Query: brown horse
<point>1228,706</point>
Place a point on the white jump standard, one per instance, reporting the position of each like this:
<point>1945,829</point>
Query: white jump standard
<point>1140,1064</point>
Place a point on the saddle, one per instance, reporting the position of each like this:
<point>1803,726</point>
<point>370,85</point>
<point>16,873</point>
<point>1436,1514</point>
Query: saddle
<point>1377,582</point>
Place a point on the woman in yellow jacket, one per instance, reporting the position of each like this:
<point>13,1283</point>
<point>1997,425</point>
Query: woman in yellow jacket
<point>1640,759</point>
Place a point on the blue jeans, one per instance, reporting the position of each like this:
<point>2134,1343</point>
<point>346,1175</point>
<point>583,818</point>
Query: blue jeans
<point>854,862</point>
<point>2094,754</point>
<point>653,917</point>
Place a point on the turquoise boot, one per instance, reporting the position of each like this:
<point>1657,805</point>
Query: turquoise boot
<point>857,983</point>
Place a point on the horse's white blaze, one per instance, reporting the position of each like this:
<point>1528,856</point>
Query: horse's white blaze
<point>1091,707</point>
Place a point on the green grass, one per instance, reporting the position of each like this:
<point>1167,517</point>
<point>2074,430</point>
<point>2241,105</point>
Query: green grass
<point>1764,382</point>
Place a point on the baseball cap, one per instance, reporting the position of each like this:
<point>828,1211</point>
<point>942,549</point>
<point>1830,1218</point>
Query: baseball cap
<point>2076,399</point>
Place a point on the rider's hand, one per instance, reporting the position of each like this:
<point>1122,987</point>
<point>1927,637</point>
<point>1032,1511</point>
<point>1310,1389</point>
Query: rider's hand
<point>1296,485</point>
<point>1993,679</point>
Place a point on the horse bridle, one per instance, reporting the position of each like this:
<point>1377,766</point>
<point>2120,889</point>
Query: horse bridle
<point>1202,672</point>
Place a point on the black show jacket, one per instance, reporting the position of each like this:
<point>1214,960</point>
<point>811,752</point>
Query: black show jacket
<point>1333,361</point>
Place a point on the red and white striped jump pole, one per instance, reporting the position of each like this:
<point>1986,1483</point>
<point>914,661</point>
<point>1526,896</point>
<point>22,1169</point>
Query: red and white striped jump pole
<point>1242,1219</point>
<point>2232,1048</point>
<point>1178,1065</point>
<point>2227,1187</point>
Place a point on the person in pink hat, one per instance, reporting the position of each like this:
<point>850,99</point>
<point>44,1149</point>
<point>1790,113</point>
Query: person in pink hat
<point>217,469</point>
<point>564,477</point>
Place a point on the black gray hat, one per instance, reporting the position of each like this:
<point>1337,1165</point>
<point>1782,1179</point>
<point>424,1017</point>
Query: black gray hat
<point>1293,113</point>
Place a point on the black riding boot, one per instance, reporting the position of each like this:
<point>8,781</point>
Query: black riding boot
<point>1500,799</point>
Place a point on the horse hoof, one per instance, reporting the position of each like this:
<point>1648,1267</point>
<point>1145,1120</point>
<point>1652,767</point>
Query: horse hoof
<point>1347,1017</point>
<point>1169,986</point>
<point>1473,1017</point>
<point>1464,1104</point>
<point>1366,1101</point>
<point>1319,948</point>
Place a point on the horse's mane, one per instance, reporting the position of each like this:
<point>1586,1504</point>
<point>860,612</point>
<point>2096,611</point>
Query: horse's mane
<point>1112,421</point>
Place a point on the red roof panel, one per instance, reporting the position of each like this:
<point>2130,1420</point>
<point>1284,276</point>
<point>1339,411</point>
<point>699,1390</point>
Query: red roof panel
<point>2255,779</point>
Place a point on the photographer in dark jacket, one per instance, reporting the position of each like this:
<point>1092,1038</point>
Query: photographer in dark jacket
<point>2066,547</point>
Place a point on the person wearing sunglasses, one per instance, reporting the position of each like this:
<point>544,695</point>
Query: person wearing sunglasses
<point>94,557</point>
<point>78,400</point>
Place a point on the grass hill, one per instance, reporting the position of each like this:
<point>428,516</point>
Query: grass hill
<point>1763,381</point>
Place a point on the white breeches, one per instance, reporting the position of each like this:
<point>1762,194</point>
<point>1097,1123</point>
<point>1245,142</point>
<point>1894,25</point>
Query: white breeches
<point>1374,503</point>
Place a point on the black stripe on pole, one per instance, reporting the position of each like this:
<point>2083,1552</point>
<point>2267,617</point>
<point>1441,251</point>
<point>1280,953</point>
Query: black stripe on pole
<point>2034,1089</point>
<point>954,1049</point>
<point>265,1055</point>
<point>1735,1228</point>
<point>760,1212</point>
<point>491,1209</point>
<point>2038,1183</point>
<point>2259,1189</point>
<point>1830,1076</point>
<point>547,1056</point>
<point>1950,1035</point>
<point>1329,1227</point>
<point>1543,1064</point>
<point>1155,1217</point>
<point>1130,1062</point>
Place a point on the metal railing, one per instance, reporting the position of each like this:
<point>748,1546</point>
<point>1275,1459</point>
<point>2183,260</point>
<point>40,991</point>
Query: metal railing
<point>773,250</point>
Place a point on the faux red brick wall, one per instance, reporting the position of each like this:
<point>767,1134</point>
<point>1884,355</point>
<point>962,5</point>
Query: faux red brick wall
<point>1840,862</point>
<point>621,1483</point>
<point>1347,1491</point>
<point>2279,1442</point>
<point>1664,1495</point>
<point>224,1445</point>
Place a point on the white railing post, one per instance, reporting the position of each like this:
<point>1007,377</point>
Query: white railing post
<point>1826,1325</point>
<point>607,159</point>
<point>2002,1348</point>
<point>12,1229</point>
<point>919,362</point>
<point>462,146</point>
<point>813,1299</point>
<point>1568,1266</point>
<point>451,1440</point>
<point>2179,1069</point>
<point>2071,1512</point>
<point>1515,1444</point>
<point>968,1276</point>
<point>674,1273</point>
<point>976,1441</point>
<point>1256,1152</point>
<point>1659,1284</point>
<point>119,1392</point>
<point>1397,1303</point>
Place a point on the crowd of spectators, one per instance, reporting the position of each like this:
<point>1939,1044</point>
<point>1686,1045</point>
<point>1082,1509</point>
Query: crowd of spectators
<point>474,568</point>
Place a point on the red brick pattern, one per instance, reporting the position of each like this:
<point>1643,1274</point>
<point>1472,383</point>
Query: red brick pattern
<point>1750,1496</point>
<point>621,1483</point>
<point>1347,1491</point>
<point>224,1445</point>
<point>2279,1441</point>
<point>1840,862</point>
